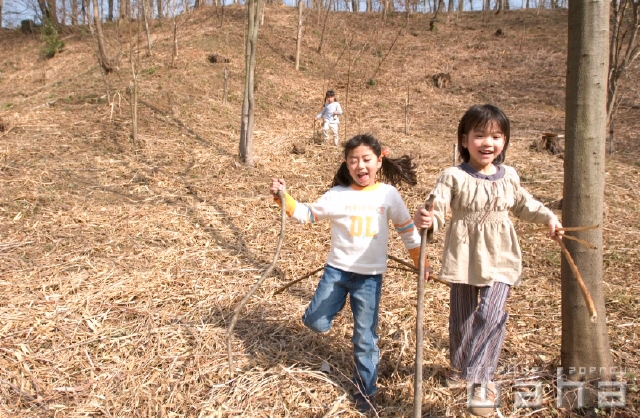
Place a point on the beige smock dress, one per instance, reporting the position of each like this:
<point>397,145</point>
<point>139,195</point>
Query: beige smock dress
<point>481,245</point>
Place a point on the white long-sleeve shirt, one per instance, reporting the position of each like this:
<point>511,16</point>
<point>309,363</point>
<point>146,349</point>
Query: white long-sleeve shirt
<point>328,110</point>
<point>360,225</point>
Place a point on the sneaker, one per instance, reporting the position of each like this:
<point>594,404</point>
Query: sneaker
<point>483,406</point>
<point>364,404</point>
<point>453,380</point>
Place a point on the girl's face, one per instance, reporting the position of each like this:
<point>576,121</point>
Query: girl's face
<point>484,146</point>
<point>363,164</point>
<point>331,99</point>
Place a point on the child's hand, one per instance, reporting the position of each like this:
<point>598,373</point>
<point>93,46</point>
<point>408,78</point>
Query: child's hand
<point>423,219</point>
<point>277,185</point>
<point>427,271</point>
<point>554,225</point>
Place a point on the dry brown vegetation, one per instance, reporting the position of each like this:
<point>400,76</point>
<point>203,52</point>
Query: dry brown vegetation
<point>120,266</point>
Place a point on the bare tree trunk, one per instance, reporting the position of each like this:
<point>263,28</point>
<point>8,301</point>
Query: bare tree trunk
<point>369,5</point>
<point>1,13</point>
<point>299,37</point>
<point>146,25</point>
<point>110,15</point>
<point>103,58</point>
<point>226,82</point>
<point>159,7</point>
<point>585,344</point>
<point>460,5</point>
<point>254,10</point>
<point>450,6</point>
<point>53,12</point>
<point>324,27</point>
<point>133,84</point>
<point>74,12</point>
<point>174,49</point>
<point>63,21</point>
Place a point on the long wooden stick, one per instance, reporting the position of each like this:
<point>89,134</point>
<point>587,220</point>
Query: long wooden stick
<point>583,289</point>
<point>414,269</point>
<point>238,308</point>
<point>565,229</point>
<point>299,279</point>
<point>426,235</point>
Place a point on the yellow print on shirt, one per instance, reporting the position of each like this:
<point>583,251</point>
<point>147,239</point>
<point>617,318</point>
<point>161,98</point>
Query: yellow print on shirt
<point>356,227</point>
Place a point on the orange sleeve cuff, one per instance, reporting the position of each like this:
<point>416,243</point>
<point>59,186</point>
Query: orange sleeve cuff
<point>290,203</point>
<point>414,253</point>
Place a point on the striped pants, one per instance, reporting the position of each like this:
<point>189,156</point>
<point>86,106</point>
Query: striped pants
<point>476,330</point>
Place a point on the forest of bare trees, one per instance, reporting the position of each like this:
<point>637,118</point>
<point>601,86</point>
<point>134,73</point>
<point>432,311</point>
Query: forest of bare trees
<point>74,12</point>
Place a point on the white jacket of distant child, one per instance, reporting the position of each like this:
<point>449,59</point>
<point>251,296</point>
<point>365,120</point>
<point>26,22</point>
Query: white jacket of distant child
<point>330,113</point>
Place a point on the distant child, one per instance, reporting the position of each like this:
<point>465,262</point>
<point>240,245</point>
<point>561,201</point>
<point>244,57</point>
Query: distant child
<point>481,252</point>
<point>330,112</point>
<point>359,209</point>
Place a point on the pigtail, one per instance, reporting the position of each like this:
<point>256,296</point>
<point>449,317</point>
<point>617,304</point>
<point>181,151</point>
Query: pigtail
<point>396,170</point>
<point>342,176</point>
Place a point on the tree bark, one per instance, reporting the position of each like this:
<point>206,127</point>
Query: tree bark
<point>53,12</point>
<point>74,12</point>
<point>102,52</point>
<point>254,10</point>
<point>159,7</point>
<point>324,27</point>
<point>0,13</point>
<point>585,344</point>
<point>460,5</point>
<point>299,37</point>
<point>146,25</point>
<point>110,15</point>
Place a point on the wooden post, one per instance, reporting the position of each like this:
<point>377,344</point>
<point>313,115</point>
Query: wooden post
<point>299,38</point>
<point>406,113</point>
<point>226,79</point>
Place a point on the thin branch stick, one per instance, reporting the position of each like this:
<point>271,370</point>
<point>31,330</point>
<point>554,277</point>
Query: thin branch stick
<point>580,241</point>
<point>415,270</point>
<point>426,235</point>
<point>565,229</point>
<point>576,274</point>
<point>291,283</point>
<point>238,308</point>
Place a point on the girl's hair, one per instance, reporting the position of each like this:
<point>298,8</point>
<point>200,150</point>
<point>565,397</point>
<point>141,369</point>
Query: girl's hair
<point>479,117</point>
<point>330,93</point>
<point>393,170</point>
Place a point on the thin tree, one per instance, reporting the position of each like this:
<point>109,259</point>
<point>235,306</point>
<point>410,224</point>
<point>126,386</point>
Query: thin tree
<point>299,37</point>
<point>146,25</point>
<point>254,10</point>
<point>624,47</point>
<point>101,52</point>
<point>585,344</point>
<point>0,13</point>
<point>74,12</point>
<point>324,26</point>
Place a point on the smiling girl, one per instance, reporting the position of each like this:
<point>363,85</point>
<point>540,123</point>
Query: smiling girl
<point>359,209</point>
<point>481,257</point>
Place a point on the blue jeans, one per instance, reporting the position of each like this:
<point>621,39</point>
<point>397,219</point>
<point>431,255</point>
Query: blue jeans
<point>330,297</point>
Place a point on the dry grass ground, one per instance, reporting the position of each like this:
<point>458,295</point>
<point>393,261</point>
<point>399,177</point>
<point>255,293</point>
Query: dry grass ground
<point>120,265</point>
